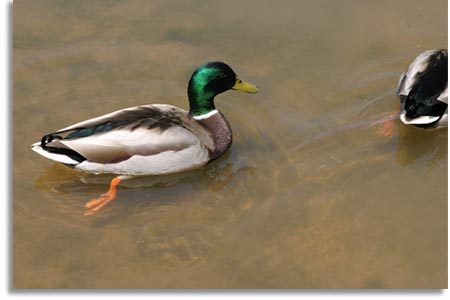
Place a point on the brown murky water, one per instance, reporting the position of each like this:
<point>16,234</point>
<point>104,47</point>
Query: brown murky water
<point>308,197</point>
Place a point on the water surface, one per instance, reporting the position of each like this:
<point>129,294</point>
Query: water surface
<point>309,196</point>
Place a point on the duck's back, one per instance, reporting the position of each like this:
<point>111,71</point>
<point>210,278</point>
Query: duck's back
<point>428,73</point>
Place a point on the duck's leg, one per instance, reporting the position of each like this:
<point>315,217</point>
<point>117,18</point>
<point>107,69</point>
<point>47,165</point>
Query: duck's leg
<point>94,205</point>
<point>386,124</point>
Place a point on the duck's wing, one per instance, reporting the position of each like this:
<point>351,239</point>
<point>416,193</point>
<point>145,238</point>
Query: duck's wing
<point>145,130</point>
<point>421,65</point>
<point>162,115</point>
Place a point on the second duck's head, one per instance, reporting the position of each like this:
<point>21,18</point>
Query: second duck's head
<point>209,80</point>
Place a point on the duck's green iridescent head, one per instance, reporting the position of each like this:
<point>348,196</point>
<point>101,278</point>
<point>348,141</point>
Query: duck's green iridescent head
<point>209,80</point>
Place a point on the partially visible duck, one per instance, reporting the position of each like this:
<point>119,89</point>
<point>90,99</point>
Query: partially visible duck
<point>423,90</point>
<point>423,94</point>
<point>150,139</point>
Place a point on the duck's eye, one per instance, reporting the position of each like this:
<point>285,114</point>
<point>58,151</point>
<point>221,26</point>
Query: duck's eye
<point>240,81</point>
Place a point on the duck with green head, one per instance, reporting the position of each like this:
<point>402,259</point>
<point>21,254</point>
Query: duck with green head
<point>150,139</point>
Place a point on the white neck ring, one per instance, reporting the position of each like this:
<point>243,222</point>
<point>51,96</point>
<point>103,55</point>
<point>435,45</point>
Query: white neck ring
<point>207,115</point>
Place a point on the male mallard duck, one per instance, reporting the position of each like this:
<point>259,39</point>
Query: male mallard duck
<point>422,90</point>
<point>150,139</point>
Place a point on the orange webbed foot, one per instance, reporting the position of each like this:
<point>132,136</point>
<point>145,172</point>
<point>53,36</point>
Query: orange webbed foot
<point>386,128</point>
<point>97,204</point>
<point>386,125</point>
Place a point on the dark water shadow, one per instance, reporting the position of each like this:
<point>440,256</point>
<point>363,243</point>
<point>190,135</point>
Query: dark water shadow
<point>9,141</point>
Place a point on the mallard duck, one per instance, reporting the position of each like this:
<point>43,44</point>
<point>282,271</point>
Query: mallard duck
<point>423,92</point>
<point>150,139</point>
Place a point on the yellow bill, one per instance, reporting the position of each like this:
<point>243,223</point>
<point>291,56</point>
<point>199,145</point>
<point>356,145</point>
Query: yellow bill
<point>241,85</point>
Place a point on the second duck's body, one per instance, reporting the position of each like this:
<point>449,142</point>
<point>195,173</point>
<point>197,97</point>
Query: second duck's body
<point>423,90</point>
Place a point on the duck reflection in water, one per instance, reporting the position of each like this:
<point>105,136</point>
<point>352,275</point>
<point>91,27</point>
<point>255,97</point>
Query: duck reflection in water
<point>147,190</point>
<point>416,144</point>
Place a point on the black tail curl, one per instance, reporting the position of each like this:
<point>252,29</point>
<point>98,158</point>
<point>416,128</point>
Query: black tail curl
<point>48,138</point>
